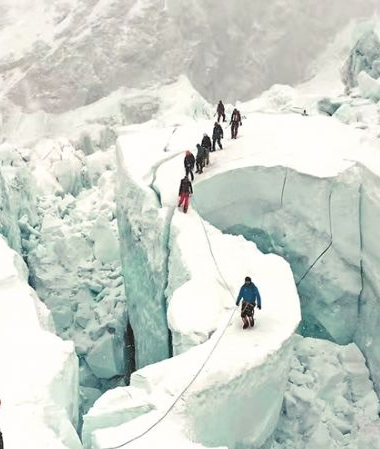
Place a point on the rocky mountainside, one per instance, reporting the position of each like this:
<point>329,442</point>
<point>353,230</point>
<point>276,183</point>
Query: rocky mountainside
<point>65,54</point>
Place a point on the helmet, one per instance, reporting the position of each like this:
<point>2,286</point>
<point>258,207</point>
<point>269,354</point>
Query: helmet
<point>215,124</point>
<point>188,153</point>
<point>205,134</point>
<point>247,279</point>
<point>198,145</point>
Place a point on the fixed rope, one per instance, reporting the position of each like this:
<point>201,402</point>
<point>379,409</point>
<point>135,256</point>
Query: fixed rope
<point>213,348</point>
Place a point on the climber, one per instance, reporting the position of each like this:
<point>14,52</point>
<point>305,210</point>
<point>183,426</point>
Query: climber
<point>206,144</point>
<point>235,122</point>
<point>304,113</point>
<point>249,293</point>
<point>220,111</point>
<point>200,158</point>
<point>217,134</point>
<point>185,190</point>
<point>189,163</point>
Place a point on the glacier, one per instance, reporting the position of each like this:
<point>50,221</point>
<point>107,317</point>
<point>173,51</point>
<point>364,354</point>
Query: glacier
<point>314,203</point>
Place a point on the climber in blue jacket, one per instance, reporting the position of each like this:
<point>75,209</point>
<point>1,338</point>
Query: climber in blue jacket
<point>250,295</point>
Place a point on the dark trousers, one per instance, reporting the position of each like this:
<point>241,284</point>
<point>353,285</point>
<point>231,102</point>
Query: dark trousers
<point>214,141</point>
<point>1,441</point>
<point>247,313</point>
<point>189,171</point>
<point>221,114</point>
<point>234,129</point>
<point>206,160</point>
<point>199,162</point>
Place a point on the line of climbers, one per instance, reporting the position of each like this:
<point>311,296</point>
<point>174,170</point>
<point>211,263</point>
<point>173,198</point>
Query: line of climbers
<point>249,294</point>
<point>204,149</point>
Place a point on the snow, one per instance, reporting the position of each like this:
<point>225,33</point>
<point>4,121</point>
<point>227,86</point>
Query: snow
<point>364,57</point>
<point>369,87</point>
<point>329,399</point>
<point>190,268</point>
<point>64,220</point>
<point>92,127</point>
<point>308,192</point>
<point>34,389</point>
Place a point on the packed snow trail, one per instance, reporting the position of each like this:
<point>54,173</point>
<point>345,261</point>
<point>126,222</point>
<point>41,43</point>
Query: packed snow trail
<point>203,365</point>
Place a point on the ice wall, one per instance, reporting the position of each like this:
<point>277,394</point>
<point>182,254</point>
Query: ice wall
<point>144,231</point>
<point>38,372</point>
<point>18,212</point>
<point>325,227</point>
<point>329,400</point>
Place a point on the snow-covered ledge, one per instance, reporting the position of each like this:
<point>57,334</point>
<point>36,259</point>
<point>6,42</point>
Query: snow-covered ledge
<point>245,378</point>
<point>243,382</point>
<point>38,372</point>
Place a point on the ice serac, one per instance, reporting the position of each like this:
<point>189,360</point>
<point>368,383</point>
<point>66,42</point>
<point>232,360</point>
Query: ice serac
<point>143,229</point>
<point>39,371</point>
<point>363,57</point>
<point>369,87</point>
<point>367,335</point>
<point>63,220</point>
<point>18,213</point>
<point>326,229</point>
<point>329,400</point>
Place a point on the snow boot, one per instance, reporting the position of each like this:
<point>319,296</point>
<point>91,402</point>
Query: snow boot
<point>251,321</point>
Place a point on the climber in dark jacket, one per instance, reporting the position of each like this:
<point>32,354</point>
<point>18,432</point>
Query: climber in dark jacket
<point>220,111</point>
<point>235,122</point>
<point>189,163</point>
<point>206,144</point>
<point>200,158</point>
<point>217,134</point>
<point>250,295</point>
<point>185,190</point>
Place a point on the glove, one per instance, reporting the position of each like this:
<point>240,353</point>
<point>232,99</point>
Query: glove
<point>259,307</point>
<point>241,124</point>
<point>237,303</point>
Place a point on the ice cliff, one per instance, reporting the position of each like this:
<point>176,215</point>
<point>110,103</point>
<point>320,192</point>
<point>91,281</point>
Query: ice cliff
<point>320,214</point>
<point>41,402</point>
